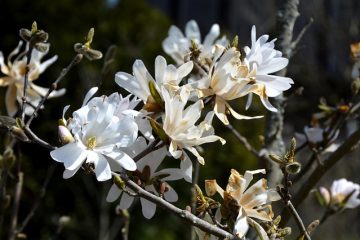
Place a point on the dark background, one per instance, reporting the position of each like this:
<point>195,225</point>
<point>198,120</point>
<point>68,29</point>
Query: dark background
<point>321,65</point>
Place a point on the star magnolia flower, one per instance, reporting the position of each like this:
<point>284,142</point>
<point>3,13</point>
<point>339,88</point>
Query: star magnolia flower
<point>100,127</point>
<point>14,79</point>
<point>178,46</point>
<point>338,195</point>
<point>315,138</point>
<point>151,179</point>
<point>179,125</point>
<point>229,78</point>
<point>251,202</point>
<point>165,75</point>
<point>263,59</point>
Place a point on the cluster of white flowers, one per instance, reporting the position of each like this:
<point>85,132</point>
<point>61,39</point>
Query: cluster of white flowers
<point>172,117</point>
<point>14,70</point>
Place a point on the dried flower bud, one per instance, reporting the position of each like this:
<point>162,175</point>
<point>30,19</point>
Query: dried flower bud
<point>210,187</point>
<point>25,34</point>
<point>42,47</point>
<point>293,168</point>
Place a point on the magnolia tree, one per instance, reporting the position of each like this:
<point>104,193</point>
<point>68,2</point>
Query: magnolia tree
<point>168,113</point>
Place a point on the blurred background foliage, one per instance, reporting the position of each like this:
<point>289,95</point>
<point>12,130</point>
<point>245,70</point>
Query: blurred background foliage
<point>321,65</point>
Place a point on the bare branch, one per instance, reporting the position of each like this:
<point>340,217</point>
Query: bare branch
<point>184,214</point>
<point>317,174</point>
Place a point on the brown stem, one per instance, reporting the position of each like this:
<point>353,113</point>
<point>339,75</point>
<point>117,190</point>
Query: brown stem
<point>183,214</point>
<point>14,215</point>
<point>36,205</point>
<point>26,80</point>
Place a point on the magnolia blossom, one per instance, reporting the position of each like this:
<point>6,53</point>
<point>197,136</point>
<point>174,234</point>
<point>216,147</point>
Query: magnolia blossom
<point>101,127</point>
<point>315,138</point>
<point>178,46</point>
<point>263,60</point>
<point>342,193</point>
<point>229,78</point>
<point>251,202</point>
<point>151,179</point>
<point>138,84</point>
<point>14,70</point>
<point>179,125</point>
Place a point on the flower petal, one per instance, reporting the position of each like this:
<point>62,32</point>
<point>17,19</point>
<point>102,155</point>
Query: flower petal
<point>148,208</point>
<point>72,155</point>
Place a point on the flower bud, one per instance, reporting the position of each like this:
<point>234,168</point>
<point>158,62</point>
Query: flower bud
<point>64,221</point>
<point>210,187</point>
<point>65,135</point>
<point>8,159</point>
<point>284,232</point>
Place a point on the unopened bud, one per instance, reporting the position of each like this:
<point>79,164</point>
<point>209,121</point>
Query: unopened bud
<point>210,187</point>
<point>65,135</point>
<point>119,182</point>
<point>284,232</point>
<point>21,236</point>
<point>64,221</point>
<point>8,159</point>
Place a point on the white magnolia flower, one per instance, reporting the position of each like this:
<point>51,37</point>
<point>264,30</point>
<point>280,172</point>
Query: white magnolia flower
<point>314,136</point>
<point>168,76</point>
<point>177,45</point>
<point>263,59</point>
<point>101,127</point>
<point>14,70</point>
<point>253,201</point>
<point>229,78</point>
<point>151,179</point>
<point>179,125</point>
<point>342,193</point>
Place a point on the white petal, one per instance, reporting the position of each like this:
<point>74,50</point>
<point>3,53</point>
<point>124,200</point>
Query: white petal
<point>160,66</point>
<point>89,94</point>
<point>113,194</point>
<point>212,35</point>
<point>259,229</point>
<point>241,225</point>
<point>102,167</point>
<point>267,104</point>
<point>185,69</point>
<point>72,155</point>
<point>171,195</point>
<point>148,208</point>
<point>132,85</point>
<point>125,201</point>
<point>124,160</point>
<point>192,31</point>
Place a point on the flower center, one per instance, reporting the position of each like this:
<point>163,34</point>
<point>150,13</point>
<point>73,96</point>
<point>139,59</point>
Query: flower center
<point>91,143</point>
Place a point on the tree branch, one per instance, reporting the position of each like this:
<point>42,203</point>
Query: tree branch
<point>183,214</point>
<point>317,174</point>
<point>274,143</point>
